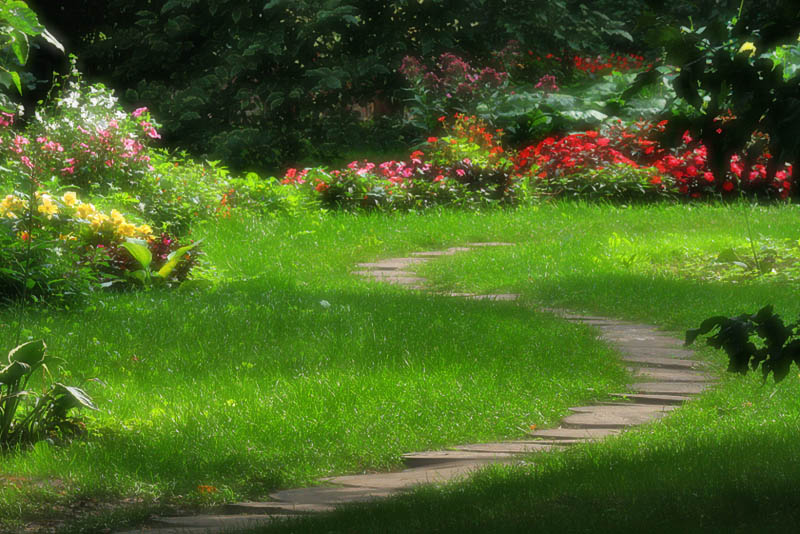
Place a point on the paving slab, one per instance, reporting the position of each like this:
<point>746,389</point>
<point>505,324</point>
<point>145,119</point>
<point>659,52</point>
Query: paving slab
<point>669,375</point>
<point>572,434</point>
<point>325,498</point>
<point>643,348</point>
<point>509,448</point>
<point>670,388</point>
<point>273,508</point>
<point>392,263</point>
<point>614,416</point>
<point>434,458</point>
<point>380,275</point>
<point>404,479</point>
<point>496,296</point>
<point>662,362</point>
<point>644,398</point>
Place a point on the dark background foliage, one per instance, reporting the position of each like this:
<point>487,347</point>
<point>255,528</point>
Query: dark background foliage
<point>262,84</point>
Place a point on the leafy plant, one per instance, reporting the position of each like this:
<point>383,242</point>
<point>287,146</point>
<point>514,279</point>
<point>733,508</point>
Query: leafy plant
<point>27,416</point>
<point>18,24</point>
<point>147,274</point>
<point>778,347</point>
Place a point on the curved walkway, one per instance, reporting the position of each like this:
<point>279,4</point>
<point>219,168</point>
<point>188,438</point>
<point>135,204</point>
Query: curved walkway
<point>665,378</point>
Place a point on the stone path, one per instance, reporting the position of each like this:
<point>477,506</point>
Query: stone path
<point>665,375</point>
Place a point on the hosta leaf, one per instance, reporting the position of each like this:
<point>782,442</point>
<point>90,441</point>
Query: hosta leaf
<point>75,397</point>
<point>11,373</point>
<point>140,253</point>
<point>30,353</point>
<point>173,259</point>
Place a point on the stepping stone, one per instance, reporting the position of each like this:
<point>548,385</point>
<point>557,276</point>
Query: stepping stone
<point>641,398</point>
<point>645,349</point>
<point>498,296</point>
<point>272,508</point>
<point>432,458</point>
<point>660,362</point>
<point>325,498</point>
<point>391,263</point>
<point>384,274</point>
<point>405,479</point>
<point>614,416</point>
<point>509,448</point>
<point>668,375</point>
<point>634,339</point>
<point>573,434</point>
<point>670,388</point>
<point>439,253</point>
<point>490,244</point>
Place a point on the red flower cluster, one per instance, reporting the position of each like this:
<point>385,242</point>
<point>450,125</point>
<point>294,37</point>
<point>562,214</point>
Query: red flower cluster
<point>570,154</point>
<point>686,167</point>
<point>612,62</point>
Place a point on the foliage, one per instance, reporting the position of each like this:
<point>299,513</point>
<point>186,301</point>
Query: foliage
<point>779,345</point>
<point>18,24</point>
<point>466,167</point>
<point>149,272</point>
<point>683,170</point>
<point>27,416</point>
<point>727,74</point>
<point>260,85</point>
<point>452,86</point>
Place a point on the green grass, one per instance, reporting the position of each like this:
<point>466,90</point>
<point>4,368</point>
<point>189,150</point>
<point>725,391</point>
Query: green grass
<point>725,463</point>
<point>256,385</point>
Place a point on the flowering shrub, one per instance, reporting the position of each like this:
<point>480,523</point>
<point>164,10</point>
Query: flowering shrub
<point>75,245</point>
<point>467,166</point>
<point>683,170</point>
<point>452,85</point>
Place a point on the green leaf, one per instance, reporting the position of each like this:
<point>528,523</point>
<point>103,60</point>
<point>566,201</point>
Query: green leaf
<point>20,46</point>
<point>75,397</point>
<point>30,353</point>
<point>47,36</point>
<point>17,83</point>
<point>11,373</point>
<point>174,259</point>
<point>140,253</point>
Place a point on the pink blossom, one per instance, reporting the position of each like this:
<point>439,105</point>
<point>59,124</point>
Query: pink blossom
<point>137,112</point>
<point>26,160</point>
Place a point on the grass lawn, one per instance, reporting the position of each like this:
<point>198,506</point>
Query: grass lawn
<point>291,368</point>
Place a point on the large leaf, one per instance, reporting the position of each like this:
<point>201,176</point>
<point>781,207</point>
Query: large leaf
<point>73,397</point>
<point>30,353</point>
<point>140,253</point>
<point>11,373</point>
<point>173,259</point>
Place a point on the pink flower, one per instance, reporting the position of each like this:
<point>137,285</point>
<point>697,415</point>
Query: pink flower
<point>26,160</point>
<point>460,172</point>
<point>137,112</point>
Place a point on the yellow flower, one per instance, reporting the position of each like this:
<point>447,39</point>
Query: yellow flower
<point>145,230</point>
<point>70,198</point>
<point>67,237</point>
<point>117,217</point>
<point>126,229</point>
<point>12,204</point>
<point>748,47</point>
<point>97,220</point>
<point>48,207</point>
<point>85,210</point>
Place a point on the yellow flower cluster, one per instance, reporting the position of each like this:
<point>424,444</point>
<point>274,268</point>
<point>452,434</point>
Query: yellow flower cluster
<point>12,207</point>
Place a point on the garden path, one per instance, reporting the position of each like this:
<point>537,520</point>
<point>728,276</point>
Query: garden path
<point>665,373</point>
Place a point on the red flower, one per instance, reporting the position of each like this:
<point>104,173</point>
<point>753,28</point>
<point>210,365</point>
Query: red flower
<point>728,186</point>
